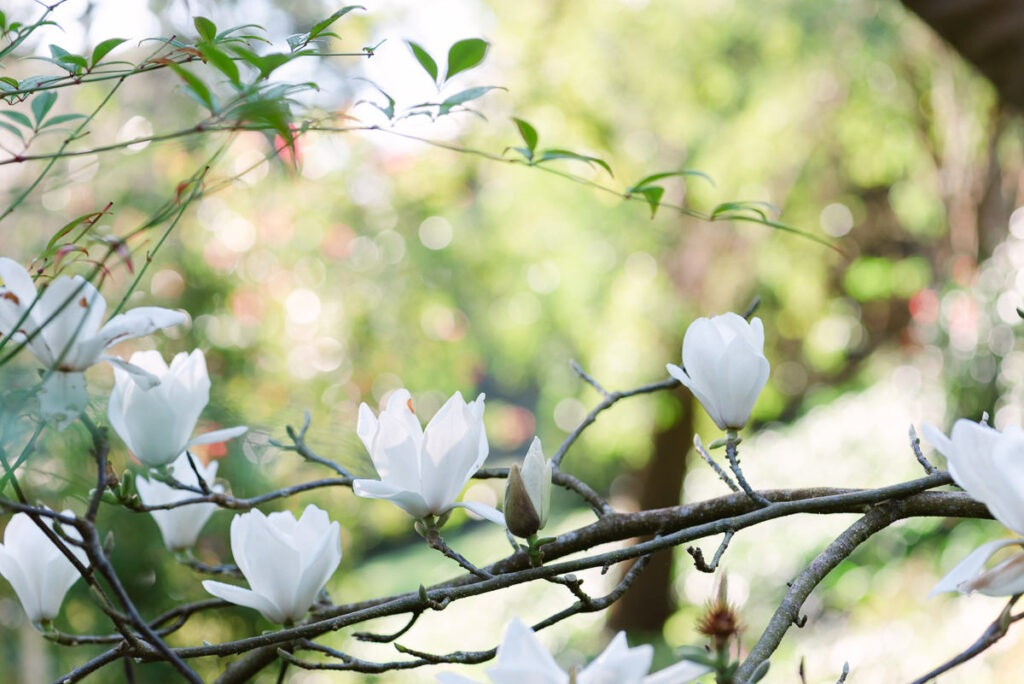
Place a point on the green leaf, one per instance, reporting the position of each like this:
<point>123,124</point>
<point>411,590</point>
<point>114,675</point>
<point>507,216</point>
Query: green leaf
<point>13,129</point>
<point>225,35</point>
<point>221,62</point>
<point>388,111</point>
<point>61,118</point>
<point>206,28</point>
<point>103,49</point>
<point>41,105</point>
<point>319,27</point>
<point>17,117</point>
<point>465,96</point>
<point>8,83</point>
<point>652,194</point>
<point>195,87</point>
<point>66,60</point>
<point>548,155</point>
<point>465,54</point>
<point>529,135</point>
<point>668,174</point>
<point>424,58</point>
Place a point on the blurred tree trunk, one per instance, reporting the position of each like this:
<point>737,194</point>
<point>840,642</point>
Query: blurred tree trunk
<point>650,601</point>
<point>988,33</point>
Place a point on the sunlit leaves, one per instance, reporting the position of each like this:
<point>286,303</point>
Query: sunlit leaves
<point>41,105</point>
<point>207,29</point>
<point>220,61</point>
<point>319,30</point>
<point>529,135</point>
<point>102,50</point>
<point>424,58</point>
<point>195,87</point>
<point>652,194</point>
<point>462,97</point>
<point>465,54</point>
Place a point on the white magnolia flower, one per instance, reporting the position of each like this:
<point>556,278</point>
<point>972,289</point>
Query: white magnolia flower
<point>423,470</point>
<point>180,526</point>
<point>989,465</point>
<point>62,326</point>
<point>528,493</point>
<point>522,658</point>
<point>725,367</point>
<point>157,422</point>
<point>40,574</point>
<point>286,561</point>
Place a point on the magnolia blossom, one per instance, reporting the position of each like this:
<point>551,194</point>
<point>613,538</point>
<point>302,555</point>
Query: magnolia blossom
<point>62,328</point>
<point>157,422</point>
<point>179,526</point>
<point>989,465</point>
<point>286,561</point>
<point>423,470</point>
<point>39,572</point>
<point>522,658</point>
<point>528,493</point>
<point>724,367</point>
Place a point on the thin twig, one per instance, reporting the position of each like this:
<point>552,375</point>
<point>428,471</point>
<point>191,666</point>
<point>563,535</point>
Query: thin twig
<point>996,631</point>
<point>589,379</point>
<point>731,453</point>
<point>915,444</point>
<point>698,555</point>
<point>722,475</point>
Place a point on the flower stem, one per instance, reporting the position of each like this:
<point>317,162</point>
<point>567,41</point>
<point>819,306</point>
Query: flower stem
<point>732,441</point>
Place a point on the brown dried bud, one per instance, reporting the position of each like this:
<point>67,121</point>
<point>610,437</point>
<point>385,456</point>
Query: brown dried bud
<point>720,621</point>
<point>521,516</point>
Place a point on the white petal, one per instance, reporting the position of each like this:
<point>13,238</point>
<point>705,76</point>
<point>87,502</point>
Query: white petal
<point>449,678</point>
<point>25,589</point>
<point>619,664</point>
<point>680,673</point>
<point>142,377</point>
<point>215,436</point>
<point>139,321</point>
<point>75,309</point>
<point>971,567</point>
<point>245,597</point>
<point>522,658</point>
<point>453,448</point>
<point>941,442</point>
<point>483,510</point>
<point>17,281</point>
<point>410,502</point>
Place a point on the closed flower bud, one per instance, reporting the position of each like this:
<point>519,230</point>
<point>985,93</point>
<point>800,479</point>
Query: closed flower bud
<point>725,367</point>
<point>39,572</point>
<point>286,561</point>
<point>528,493</point>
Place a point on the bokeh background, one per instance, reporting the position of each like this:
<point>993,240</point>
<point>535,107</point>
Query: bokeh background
<point>376,262</point>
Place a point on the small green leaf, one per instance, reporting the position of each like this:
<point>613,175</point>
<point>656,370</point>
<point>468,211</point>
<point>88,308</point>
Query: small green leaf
<point>41,105</point>
<point>652,194</point>
<point>465,96</point>
<point>221,62</point>
<point>17,117</point>
<point>388,111</point>
<point>13,129</point>
<point>103,49</point>
<point>318,28</point>
<point>529,135</point>
<point>465,54</point>
<point>8,83</point>
<point>61,118</point>
<point>669,174</point>
<point>548,155</point>
<point>424,58</point>
<point>206,28</point>
<point>195,87</point>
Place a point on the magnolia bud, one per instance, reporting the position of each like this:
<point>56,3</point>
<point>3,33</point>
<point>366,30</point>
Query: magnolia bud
<point>528,493</point>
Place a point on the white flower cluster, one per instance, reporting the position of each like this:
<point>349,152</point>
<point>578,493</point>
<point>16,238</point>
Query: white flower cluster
<point>154,408</point>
